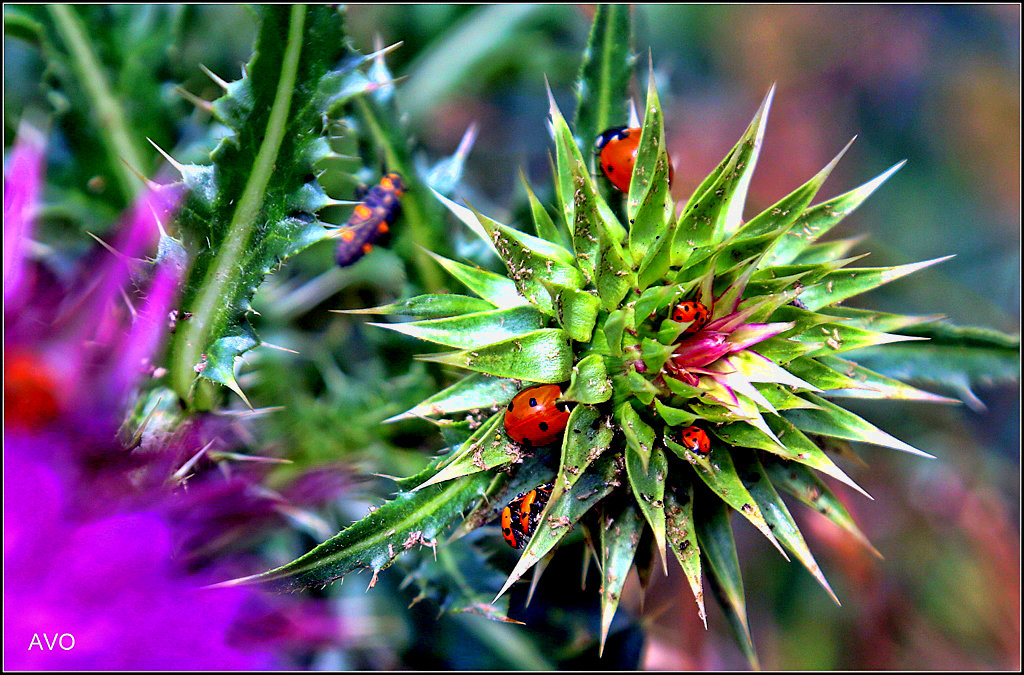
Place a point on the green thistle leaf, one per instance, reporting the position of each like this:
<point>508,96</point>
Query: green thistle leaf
<point>777,515</point>
<point>682,538</point>
<point>800,482</point>
<point>428,306</point>
<point>620,536</point>
<point>831,420</point>
<point>719,473</point>
<point>603,83</point>
<point>818,220</point>
<point>842,284</point>
<point>593,227</point>
<point>649,182</point>
<point>575,310</point>
<point>714,211</point>
<point>589,382</point>
<point>778,217</point>
<point>474,392</point>
<point>469,331</point>
<point>411,519</point>
<point>541,356</point>
<point>543,225</point>
<point>647,478</point>
<point>714,534</point>
<point>487,448</point>
<point>846,378</point>
<point>639,435</point>
<point>494,288</point>
<point>586,438</point>
<point>954,357</point>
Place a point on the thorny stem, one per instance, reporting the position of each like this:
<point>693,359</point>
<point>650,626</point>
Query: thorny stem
<point>209,304</point>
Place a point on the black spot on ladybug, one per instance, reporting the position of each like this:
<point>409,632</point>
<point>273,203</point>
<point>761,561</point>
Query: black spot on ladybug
<point>509,406</point>
<point>533,403</point>
<point>560,406</point>
<point>543,426</point>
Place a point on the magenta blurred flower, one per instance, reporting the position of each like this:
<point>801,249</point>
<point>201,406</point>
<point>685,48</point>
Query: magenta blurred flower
<point>20,198</point>
<point>110,583</point>
<point>98,570</point>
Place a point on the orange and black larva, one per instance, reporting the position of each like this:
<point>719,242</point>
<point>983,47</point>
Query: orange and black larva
<point>535,416</point>
<point>371,219</point>
<point>519,519</point>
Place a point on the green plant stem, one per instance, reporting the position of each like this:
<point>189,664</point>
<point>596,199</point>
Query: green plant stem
<point>209,302</point>
<point>112,123</point>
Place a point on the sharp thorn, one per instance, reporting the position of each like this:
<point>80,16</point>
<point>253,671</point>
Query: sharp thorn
<point>279,348</point>
<point>149,184</point>
<point>209,73</point>
<point>198,102</point>
<point>177,165</point>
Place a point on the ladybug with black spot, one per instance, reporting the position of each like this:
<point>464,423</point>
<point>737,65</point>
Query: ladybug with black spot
<point>535,416</point>
<point>695,439</point>
<point>519,519</point>
<point>373,216</point>
<point>617,154</point>
<point>691,310</point>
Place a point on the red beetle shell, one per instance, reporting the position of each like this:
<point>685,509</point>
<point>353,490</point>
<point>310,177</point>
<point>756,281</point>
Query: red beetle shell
<point>695,439</point>
<point>509,528</point>
<point>691,310</point>
<point>618,147</point>
<point>535,416</point>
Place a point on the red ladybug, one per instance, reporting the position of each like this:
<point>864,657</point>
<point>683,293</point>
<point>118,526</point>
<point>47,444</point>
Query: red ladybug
<point>519,519</point>
<point>617,147</point>
<point>695,439</point>
<point>691,310</point>
<point>371,218</point>
<point>535,416</point>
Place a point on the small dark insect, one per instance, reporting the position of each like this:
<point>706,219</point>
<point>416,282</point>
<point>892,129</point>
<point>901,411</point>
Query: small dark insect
<point>371,219</point>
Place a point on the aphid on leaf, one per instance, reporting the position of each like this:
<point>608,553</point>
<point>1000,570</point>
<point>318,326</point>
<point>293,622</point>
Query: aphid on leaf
<point>535,416</point>
<point>371,219</point>
<point>519,519</point>
<point>617,147</point>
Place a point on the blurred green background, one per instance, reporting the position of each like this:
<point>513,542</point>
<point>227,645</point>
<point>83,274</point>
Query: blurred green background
<point>937,85</point>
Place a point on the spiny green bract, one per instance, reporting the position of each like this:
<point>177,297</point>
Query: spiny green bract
<point>588,304</point>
